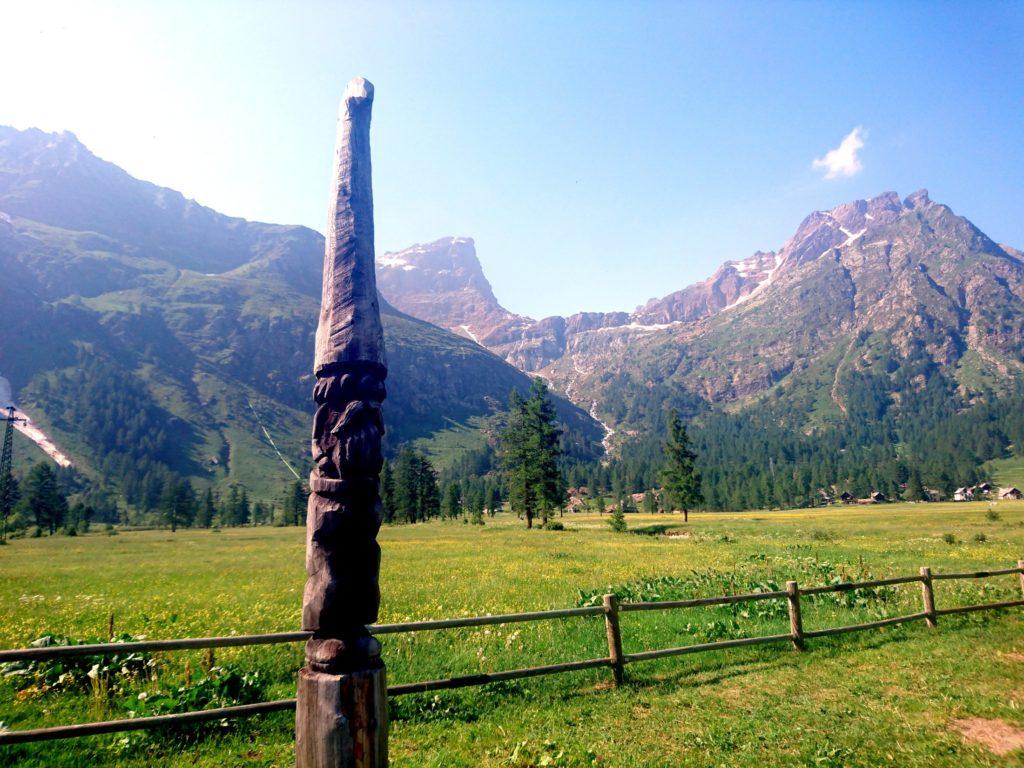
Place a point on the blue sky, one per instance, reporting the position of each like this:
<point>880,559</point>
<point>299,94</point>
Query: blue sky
<point>599,153</point>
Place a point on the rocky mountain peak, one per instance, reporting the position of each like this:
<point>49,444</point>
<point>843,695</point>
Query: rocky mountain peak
<point>917,200</point>
<point>443,283</point>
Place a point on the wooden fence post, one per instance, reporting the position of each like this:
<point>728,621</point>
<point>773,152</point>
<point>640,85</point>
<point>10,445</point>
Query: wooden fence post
<point>796,624</point>
<point>928,595</point>
<point>1020,565</point>
<point>611,622</point>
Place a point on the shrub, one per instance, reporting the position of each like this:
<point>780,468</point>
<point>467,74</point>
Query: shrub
<point>99,673</point>
<point>222,687</point>
<point>992,516</point>
<point>617,522</point>
<point>554,525</point>
<point>949,538</point>
<point>980,538</point>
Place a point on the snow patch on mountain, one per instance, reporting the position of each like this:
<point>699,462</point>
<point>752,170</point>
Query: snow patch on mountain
<point>768,280</point>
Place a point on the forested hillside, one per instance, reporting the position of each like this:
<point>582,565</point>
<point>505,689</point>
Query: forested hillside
<point>154,339</point>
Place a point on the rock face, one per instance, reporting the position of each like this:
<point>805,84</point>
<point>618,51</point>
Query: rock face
<point>908,276</point>
<point>443,283</point>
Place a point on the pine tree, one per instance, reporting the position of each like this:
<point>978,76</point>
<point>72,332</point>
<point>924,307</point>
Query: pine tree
<point>452,504</point>
<point>530,453</point>
<point>43,498</point>
<point>617,521</point>
<point>650,504</point>
<point>177,503</point>
<point>601,508</point>
<point>428,492</point>
<point>491,499</point>
<point>260,513</point>
<point>915,488</point>
<point>680,478</point>
<point>230,510</point>
<point>207,511</point>
<point>293,506</point>
<point>416,496</point>
<point>244,509</point>
<point>407,486</point>
<point>10,493</point>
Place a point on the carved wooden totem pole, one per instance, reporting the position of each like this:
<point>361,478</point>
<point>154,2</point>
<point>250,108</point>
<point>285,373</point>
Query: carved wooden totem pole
<point>341,717</point>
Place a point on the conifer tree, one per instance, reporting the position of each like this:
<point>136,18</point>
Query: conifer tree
<point>244,510</point>
<point>429,494</point>
<point>43,497</point>
<point>530,452</point>
<point>230,510</point>
<point>650,504</point>
<point>207,511</point>
<point>617,521</point>
<point>293,508</point>
<point>452,504</point>
<point>680,478</point>
<point>915,488</point>
<point>10,493</point>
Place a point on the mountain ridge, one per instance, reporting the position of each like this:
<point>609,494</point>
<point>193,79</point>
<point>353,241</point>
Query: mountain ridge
<point>933,277</point>
<point>205,321</point>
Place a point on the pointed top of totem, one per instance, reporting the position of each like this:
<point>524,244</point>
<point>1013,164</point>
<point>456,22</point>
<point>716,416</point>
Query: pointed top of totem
<point>358,88</point>
<point>350,329</point>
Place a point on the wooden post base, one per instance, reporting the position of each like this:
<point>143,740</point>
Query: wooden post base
<point>341,721</point>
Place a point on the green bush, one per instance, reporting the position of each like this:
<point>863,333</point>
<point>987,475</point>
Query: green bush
<point>100,673</point>
<point>949,538</point>
<point>554,525</point>
<point>617,522</point>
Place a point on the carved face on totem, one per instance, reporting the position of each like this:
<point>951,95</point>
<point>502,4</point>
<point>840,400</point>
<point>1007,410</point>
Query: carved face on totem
<point>348,426</point>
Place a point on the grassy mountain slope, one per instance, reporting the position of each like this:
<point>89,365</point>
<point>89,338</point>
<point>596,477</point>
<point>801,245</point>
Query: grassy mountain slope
<point>123,304</point>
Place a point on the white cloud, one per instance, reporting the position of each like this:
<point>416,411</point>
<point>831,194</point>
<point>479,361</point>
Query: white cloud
<point>843,160</point>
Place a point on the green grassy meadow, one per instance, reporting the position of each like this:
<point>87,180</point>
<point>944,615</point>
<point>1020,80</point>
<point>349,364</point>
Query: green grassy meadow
<point>884,697</point>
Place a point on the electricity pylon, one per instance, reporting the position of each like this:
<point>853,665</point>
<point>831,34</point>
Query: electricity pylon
<point>6,476</point>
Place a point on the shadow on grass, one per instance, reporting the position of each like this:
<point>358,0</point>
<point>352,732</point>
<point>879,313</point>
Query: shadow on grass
<point>657,529</point>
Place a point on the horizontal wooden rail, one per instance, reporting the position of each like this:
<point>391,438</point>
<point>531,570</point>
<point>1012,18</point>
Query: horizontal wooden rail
<point>985,607</point>
<point>610,609</point>
<point>977,574</point>
<point>699,601</point>
<point>494,677</point>
<point>140,646</point>
<point>143,723</point>
<point>849,586</point>
<point>629,658</point>
<point>868,625</point>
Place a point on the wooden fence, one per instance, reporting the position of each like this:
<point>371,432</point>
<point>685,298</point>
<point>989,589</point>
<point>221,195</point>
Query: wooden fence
<point>615,660</point>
